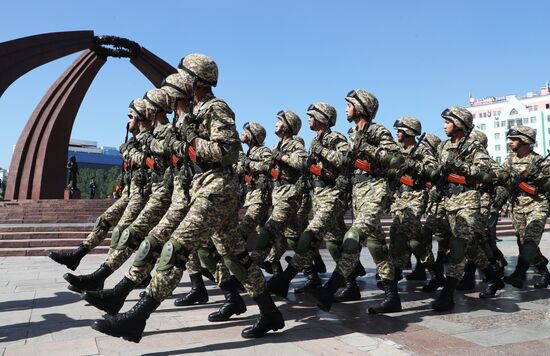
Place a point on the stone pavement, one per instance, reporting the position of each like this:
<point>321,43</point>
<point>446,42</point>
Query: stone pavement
<point>39,316</point>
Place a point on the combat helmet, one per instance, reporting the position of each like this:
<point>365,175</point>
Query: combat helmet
<point>460,117</point>
<point>524,133</point>
<point>199,70</point>
<point>157,100</point>
<point>174,86</point>
<point>138,109</point>
<point>409,125</point>
<point>480,137</point>
<point>432,141</point>
<point>364,103</point>
<point>255,132</point>
<point>292,122</point>
<point>323,113</point>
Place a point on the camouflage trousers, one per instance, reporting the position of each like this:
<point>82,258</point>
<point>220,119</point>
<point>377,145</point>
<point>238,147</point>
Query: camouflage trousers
<point>407,210</point>
<point>327,224</point>
<point>435,225</point>
<point>479,250</point>
<point>112,216</point>
<point>257,211</point>
<point>462,212</point>
<point>149,217</point>
<point>213,214</point>
<point>272,240</point>
<point>161,233</point>
<point>368,203</point>
<point>529,220</point>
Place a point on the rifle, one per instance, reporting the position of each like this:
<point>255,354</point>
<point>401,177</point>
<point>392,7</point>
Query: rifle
<point>125,165</point>
<point>399,177</point>
<point>517,185</point>
<point>446,176</point>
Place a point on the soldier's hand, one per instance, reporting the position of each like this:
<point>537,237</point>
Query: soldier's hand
<point>435,195</point>
<point>146,139</point>
<point>316,147</point>
<point>343,184</point>
<point>246,161</point>
<point>189,131</point>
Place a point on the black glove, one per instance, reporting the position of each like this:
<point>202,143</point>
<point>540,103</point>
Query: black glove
<point>301,186</point>
<point>246,161</point>
<point>434,195</point>
<point>124,146</point>
<point>276,154</point>
<point>189,132</point>
<point>169,143</point>
<point>316,147</point>
<point>343,184</point>
<point>146,139</point>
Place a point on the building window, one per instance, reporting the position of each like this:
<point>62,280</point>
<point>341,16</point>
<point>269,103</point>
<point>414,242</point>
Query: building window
<point>548,106</point>
<point>536,108</point>
<point>511,123</point>
<point>525,120</point>
<point>533,120</point>
<point>498,159</point>
<point>497,136</point>
<point>518,122</point>
<point>496,124</point>
<point>482,127</point>
<point>497,148</point>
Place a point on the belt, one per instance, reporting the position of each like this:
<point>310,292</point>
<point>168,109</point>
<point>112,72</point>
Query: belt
<point>453,189</point>
<point>318,183</point>
<point>206,166</point>
<point>281,182</point>
<point>360,178</point>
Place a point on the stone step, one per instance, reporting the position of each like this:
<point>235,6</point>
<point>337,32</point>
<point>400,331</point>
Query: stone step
<point>37,235</point>
<point>45,227</point>
<point>43,251</point>
<point>58,243</point>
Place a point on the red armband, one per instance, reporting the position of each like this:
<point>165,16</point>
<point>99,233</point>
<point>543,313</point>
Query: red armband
<point>455,178</point>
<point>315,169</point>
<point>362,165</point>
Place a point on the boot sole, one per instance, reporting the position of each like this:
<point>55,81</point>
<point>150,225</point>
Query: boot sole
<point>104,308</point>
<point>107,332</point>
<point>74,289</point>
<point>274,328</point>
<point>225,319</point>
<point>195,302</point>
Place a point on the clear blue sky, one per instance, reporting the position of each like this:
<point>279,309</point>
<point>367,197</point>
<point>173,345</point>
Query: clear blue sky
<point>417,57</point>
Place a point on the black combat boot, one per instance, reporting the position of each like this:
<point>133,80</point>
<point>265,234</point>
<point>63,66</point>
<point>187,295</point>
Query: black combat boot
<point>445,300</point>
<point>266,266</point>
<point>233,305</point>
<point>418,274</point>
<point>270,318</point>
<point>110,300</point>
<point>276,268</point>
<point>312,280</point>
<point>145,282</point>
<point>437,280</point>
<point>92,281</point>
<point>519,275</point>
<point>324,295</point>
<point>391,302</point>
<point>129,325</point>
<point>351,290</point>
<point>206,273</point>
<point>493,272</point>
<point>70,259</point>
<point>319,264</point>
<point>499,256</point>
<point>544,280</point>
<point>468,281</point>
<point>279,284</point>
<point>197,295</point>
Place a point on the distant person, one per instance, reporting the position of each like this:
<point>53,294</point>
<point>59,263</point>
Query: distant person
<point>2,182</point>
<point>93,188</point>
<point>72,174</point>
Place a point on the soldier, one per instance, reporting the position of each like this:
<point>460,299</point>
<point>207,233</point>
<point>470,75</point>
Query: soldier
<point>373,154</point>
<point>464,166</point>
<point>327,159</point>
<point>157,161</point>
<point>289,160</point>
<point>112,215</point>
<point>212,210</point>
<point>529,174</point>
<point>140,189</point>
<point>255,167</point>
<point>410,196</point>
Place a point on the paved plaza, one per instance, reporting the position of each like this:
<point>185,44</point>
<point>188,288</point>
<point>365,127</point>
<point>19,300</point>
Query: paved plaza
<point>39,316</point>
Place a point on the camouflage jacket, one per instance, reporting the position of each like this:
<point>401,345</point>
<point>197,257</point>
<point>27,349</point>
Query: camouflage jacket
<point>260,162</point>
<point>372,146</point>
<point>294,167</point>
<point>423,160</point>
<point>538,175</point>
<point>332,157</point>
<point>157,148</point>
<point>134,153</point>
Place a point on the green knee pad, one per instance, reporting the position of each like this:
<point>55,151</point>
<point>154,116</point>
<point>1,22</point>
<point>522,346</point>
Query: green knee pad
<point>238,264</point>
<point>530,252</point>
<point>352,240</point>
<point>207,259</point>
<point>377,249</point>
<point>115,237</point>
<point>291,244</point>
<point>173,255</point>
<point>305,242</point>
<point>102,224</point>
<point>128,239</point>
<point>334,250</point>
<point>457,249</point>
<point>145,252</point>
<point>415,247</point>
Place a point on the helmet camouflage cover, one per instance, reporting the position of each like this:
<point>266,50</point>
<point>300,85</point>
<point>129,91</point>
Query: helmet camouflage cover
<point>138,109</point>
<point>409,125</point>
<point>364,102</point>
<point>199,67</point>
<point>291,121</point>
<point>174,86</point>
<point>157,100</point>
<point>460,117</point>
<point>480,137</point>
<point>432,140</point>
<point>323,113</point>
<point>524,133</point>
<point>255,132</point>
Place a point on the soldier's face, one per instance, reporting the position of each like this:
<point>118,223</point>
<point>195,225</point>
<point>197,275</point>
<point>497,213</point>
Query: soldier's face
<point>514,143</point>
<point>279,128</point>
<point>131,123</point>
<point>449,127</point>
<point>350,111</point>
<point>244,137</point>
<point>311,122</point>
<point>400,135</point>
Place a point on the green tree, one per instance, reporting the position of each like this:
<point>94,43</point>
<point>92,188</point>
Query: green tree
<point>105,179</point>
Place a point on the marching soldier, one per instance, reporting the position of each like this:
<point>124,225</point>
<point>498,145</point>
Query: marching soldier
<point>529,177</point>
